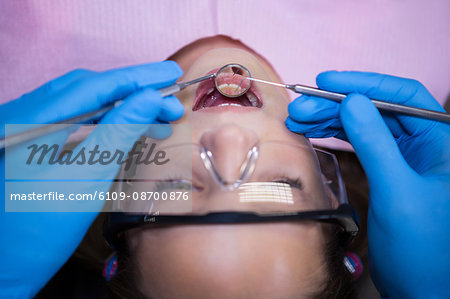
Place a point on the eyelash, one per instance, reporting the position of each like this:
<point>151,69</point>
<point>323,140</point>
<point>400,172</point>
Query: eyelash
<point>170,182</point>
<point>293,182</point>
<point>178,179</point>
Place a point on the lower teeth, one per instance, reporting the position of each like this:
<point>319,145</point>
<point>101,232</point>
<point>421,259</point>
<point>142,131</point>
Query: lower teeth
<point>229,104</point>
<point>252,99</point>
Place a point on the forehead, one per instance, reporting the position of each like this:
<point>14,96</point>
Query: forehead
<point>281,259</point>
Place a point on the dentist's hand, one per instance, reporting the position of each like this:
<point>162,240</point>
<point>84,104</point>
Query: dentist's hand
<point>33,246</point>
<point>407,162</point>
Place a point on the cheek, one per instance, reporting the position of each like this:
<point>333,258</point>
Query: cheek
<point>276,102</point>
<point>186,97</point>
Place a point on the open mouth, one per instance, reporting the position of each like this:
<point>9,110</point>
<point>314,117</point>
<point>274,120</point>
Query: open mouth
<point>208,96</point>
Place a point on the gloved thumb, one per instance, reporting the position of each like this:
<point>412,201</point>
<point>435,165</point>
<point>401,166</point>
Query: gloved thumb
<point>372,140</point>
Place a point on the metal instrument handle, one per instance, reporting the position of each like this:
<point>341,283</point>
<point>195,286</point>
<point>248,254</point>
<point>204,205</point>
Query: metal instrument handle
<point>386,106</point>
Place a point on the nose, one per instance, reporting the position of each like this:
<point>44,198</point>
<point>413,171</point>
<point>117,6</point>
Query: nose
<point>229,145</point>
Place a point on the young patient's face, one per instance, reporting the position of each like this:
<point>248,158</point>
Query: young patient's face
<point>271,260</point>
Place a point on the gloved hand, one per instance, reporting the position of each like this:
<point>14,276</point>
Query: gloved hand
<point>33,246</point>
<point>407,162</point>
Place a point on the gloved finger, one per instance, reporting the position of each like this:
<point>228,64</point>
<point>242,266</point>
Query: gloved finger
<point>310,109</point>
<point>142,107</point>
<point>155,75</point>
<point>35,98</point>
<point>48,89</point>
<point>327,133</point>
<point>372,141</point>
<point>159,130</point>
<point>392,122</point>
<point>171,109</point>
<point>386,88</point>
<point>111,85</point>
<point>94,91</point>
<point>123,126</point>
<point>65,80</point>
<point>379,86</point>
<point>330,128</point>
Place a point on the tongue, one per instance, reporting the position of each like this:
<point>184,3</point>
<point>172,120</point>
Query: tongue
<point>217,99</point>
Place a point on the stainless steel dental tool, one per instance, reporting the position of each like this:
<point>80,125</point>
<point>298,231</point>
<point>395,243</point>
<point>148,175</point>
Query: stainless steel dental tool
<point>386,106</point>
<point>222,79</point>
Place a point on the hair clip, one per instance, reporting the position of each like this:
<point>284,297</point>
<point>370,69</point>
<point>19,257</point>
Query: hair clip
<point>353,264</point>
<point>110,268</point>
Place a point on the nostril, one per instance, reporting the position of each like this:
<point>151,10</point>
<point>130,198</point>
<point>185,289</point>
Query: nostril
<point>229,146</point>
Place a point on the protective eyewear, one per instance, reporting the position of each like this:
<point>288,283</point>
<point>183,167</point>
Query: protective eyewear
<point>276,181</point>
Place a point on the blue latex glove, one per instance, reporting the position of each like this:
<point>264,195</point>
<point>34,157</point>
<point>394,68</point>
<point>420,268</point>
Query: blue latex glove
<point>33,246</point>
<point>407,162</point>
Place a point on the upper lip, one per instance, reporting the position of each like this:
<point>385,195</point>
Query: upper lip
<point>208,85</point>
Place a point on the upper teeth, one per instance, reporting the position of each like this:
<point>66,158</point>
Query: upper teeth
<point>230,88</point>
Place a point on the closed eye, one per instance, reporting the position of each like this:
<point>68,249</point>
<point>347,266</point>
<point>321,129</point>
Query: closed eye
<point>293,182</point>
<point>176,184</point>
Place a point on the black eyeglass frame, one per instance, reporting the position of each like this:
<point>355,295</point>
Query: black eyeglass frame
<point>118,222</point>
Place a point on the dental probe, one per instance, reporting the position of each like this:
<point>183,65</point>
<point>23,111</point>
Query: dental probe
<point>172,89</point>
<point>338,97</point>
<point>50,128</point>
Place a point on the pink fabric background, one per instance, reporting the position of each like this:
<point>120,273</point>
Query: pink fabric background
<point>43,39</point>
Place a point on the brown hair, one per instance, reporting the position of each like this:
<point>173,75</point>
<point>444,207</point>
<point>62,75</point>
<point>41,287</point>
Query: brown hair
<point>123,284</point>
<point>340,283</point>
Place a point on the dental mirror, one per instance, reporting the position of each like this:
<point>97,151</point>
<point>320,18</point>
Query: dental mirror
<point>232,80</point>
